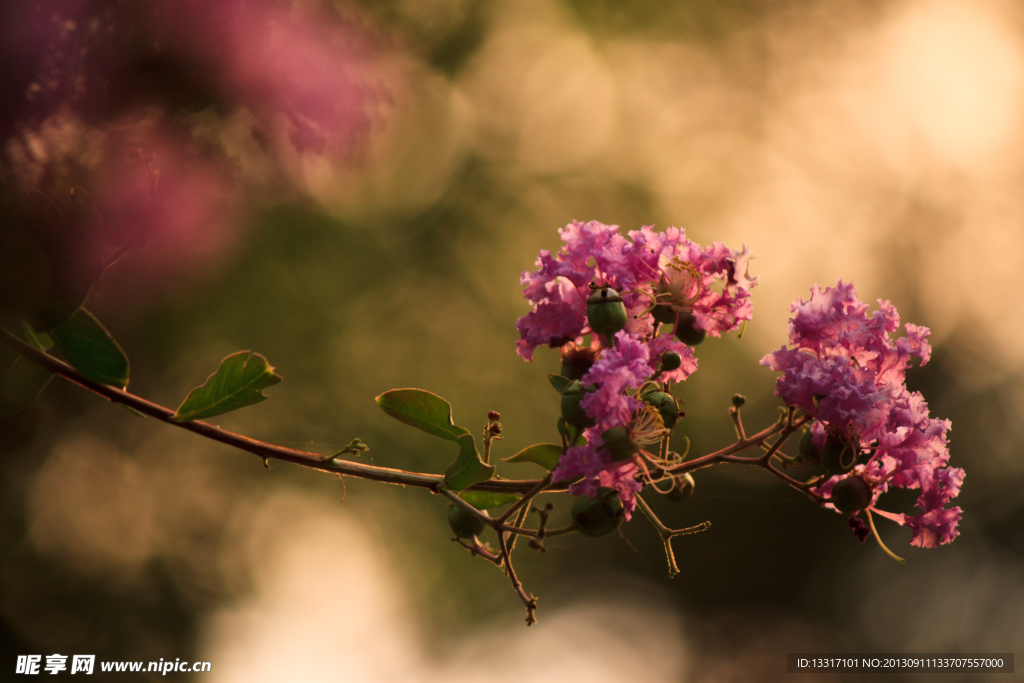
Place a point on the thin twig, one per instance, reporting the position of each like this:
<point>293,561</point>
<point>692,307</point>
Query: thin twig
<point>525,500</point>
<point>520,519</point>
<point>477,549</point>
<point>530,601</point>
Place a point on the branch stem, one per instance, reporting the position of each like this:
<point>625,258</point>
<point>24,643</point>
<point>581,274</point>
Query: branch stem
<point>261,449</point>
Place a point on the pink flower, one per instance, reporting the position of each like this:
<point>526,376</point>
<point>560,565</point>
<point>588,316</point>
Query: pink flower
<point>625,366</point>
<point>844,370</point>
<point>659,346</point>
<point>651,267</point>
<point>934,527</point>
<point>710,283</point>
<point>673,264</point>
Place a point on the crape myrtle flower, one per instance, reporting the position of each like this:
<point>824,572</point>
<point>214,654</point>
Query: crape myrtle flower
<point>622,367</point>
<point>664,269</point>
<point>842,369</point>
<point>711,284</point>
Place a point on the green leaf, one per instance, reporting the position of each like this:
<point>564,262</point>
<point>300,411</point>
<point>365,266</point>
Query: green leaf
<point>134,412</point>
<point>238,382</point>
<point>21,385</point>
<point>90,349</point>
<point>423,410</point>
<point>468,468</point>
<point>483,500</point>
<point>559,382</point>
<point>40,340</point>
<point>24,380</point>
<point>544,454</point>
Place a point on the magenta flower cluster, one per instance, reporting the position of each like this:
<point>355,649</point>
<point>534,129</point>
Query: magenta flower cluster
<point>708,285</point>
<point>842,368</point>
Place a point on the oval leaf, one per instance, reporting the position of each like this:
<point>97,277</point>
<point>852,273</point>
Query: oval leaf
<point>468,468</point>
<point>423,410</point>
<point>482,500</point>
<point>544,454</point>
<point>239,382</point>
<point>40,340</point>
<point>90,349</point>
<point>559,382</point>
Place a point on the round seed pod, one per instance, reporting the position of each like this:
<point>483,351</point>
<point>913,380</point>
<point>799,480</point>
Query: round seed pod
<point>664,314</point>
<point>600,515</point>
<point>838,456</point>
<point>851,494</point>
<point>619,444</point>
<point>682,488</point>
<point>686,330</point>
<point>605,311</point>
<point>671,361</point>
<point>807,448</point>
<point>572,411</point>
<point>666,405</point>
<point>464,523</point>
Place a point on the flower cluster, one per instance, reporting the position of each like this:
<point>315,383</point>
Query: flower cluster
<point>871,432</point>
<point>674,293</point>
<point>680,273</point>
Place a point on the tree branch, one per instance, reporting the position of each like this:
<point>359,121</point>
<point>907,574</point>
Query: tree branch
<point>259,448</point>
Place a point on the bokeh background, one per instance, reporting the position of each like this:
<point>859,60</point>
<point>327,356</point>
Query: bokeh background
<point>354,189</point>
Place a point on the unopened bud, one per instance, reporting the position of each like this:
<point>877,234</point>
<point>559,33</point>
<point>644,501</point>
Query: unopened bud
<point>493,416</point>
<point>851,494</point>
<point>464,523</point>
<point>619,443</point>
<point>671,361</point>
<point>599,515</point>
<point>687,331</point>
<point>605,311</point>
<point>738,400</point>
<point>664,314</point>
<point>666,405</point>
<point>572,411</point>
<point>807,448</point>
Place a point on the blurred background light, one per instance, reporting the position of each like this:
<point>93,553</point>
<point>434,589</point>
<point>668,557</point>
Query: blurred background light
<point>353,189</point>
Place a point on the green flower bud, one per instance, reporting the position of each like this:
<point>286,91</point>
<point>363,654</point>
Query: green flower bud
<point>682,488</point>
<point>807,448</point>
<point>738,401</point>
<point>666,405</point>
<point>464,523</point>
<point>619,444</point>
<point>605,311</point>
<point>572,411</point>
<point>851,494</point>
<point>664,314</point>
<point>838,456</point>
<point>671,361</point>
<point>686,330</point>
<point>600,515</point>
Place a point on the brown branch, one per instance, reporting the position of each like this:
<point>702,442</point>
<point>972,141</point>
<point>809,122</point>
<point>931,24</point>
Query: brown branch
<point>529,600</point>
<point>261,449</point>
